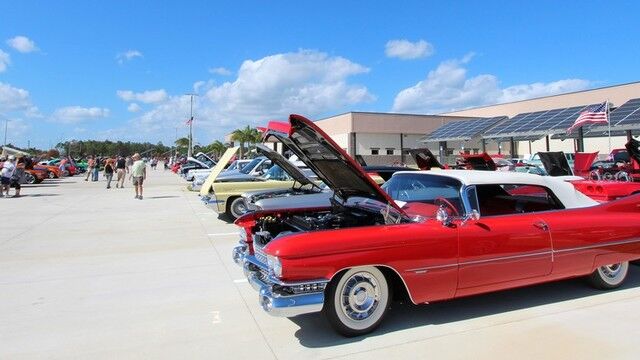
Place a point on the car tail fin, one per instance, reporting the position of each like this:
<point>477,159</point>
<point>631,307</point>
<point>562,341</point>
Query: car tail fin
<point>630,203</point>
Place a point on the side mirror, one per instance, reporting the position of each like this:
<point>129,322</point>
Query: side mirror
<point>474,216</point>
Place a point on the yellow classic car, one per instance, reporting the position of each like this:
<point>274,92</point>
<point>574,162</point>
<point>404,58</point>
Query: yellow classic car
<point>224,197</point>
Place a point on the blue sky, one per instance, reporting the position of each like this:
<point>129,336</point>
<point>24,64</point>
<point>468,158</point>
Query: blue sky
<point>118,69</point>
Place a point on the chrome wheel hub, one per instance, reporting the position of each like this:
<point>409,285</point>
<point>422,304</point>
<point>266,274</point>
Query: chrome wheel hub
<point>611,271</point>
<point>360,296</point>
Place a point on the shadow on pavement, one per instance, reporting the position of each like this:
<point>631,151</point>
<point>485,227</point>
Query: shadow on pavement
<point>39,195</point>
<point>315,331</point>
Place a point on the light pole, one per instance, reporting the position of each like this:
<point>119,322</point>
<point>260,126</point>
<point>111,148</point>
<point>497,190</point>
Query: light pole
<point>6,126</point>
<point>190,149</point>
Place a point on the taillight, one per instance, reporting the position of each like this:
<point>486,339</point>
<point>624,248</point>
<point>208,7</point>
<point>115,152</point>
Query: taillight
<point>599,189</point>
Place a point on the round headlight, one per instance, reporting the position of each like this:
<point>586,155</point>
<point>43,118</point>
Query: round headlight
<point>275,266</point>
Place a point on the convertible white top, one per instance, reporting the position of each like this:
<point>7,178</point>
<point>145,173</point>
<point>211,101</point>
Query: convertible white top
<point>564,191</point>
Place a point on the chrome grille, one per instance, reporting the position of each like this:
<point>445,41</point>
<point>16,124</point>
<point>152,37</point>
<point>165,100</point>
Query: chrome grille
<point>259,254</point>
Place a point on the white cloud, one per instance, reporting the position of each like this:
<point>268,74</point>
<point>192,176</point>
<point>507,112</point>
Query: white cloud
<point>448,88</point>
<point>22,44</point>
<point>133,107</point>
<point>16,129</point>
<point>147,97</point>
<point>75,114</point>
<point>406,50</point>
<point>220,71</point>
<point>305,82</point>
<point>128,55</point>
<point>5,60</point>
<point>12,98</point>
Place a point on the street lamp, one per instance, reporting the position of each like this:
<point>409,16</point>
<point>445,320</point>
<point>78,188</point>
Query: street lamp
<point>6,126</point>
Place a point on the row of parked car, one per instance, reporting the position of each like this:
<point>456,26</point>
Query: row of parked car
<point>37,172</point>
<point>324,233</point>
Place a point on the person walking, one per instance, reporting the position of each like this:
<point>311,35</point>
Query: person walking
<point>121,170</point>
<point>8,167</point>
<point>18,175</point>
<point>91,163</point>
<point>139,174</point>
<point>96,169</point>
<point>108,172</point>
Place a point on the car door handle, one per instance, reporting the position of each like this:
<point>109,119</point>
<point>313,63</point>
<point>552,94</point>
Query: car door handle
<point>541,225</point>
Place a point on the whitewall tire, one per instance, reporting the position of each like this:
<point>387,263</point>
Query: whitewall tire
<point>609,276</point>
<point>357,301</point>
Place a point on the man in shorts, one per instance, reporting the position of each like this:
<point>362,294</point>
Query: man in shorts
<point>139,174</point>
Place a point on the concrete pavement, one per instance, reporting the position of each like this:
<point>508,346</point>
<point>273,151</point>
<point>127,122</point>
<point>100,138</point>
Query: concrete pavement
<point>87,272</point>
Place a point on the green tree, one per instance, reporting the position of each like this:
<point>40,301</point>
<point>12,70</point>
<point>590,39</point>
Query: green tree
<point>247,136</point>
<point>182,143</point>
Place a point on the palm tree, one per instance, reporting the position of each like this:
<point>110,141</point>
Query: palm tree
<point>217,148</point>
<point>182,143</point>
<point>247,135</point>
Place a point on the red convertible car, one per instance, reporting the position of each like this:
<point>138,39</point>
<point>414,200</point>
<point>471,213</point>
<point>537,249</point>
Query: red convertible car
<point>432,235</point>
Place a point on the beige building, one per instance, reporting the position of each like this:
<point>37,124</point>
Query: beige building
<point>616,95</point>
<point>383,138</point>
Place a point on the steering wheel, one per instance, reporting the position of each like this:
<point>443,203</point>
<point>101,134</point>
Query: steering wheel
<point>439,201</point>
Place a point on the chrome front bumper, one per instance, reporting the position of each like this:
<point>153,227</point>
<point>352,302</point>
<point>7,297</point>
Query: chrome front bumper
<point>211,202</point>
<point>272,301</point>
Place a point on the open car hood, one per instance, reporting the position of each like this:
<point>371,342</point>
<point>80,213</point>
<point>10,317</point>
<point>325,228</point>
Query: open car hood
<point>328,160</point>
<point>217,169</point>
<point>633,148</point>
<point>555,163</point>
<point>582,161</point>
<point>425,159</point>
<point>281,161</point>
<point>479,162</point>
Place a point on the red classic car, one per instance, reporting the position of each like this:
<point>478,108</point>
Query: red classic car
<point>446,235</point>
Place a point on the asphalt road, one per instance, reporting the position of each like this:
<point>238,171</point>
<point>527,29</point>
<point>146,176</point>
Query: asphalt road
<point>87,272</point>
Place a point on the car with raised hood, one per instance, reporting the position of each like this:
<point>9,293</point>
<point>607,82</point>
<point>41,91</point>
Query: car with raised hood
<point>456,233</point>
<point>254,168</point>
<point>320,196</point>
<point>225,194</point>
<point>556,164</point>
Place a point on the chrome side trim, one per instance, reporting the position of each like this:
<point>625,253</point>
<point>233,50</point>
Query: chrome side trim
<point>613,243</point>
<point>506,258</point>
<point>423,270</point>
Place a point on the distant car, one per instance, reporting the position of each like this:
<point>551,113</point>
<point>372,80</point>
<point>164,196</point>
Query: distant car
<point>53,172</point>
<point>224,195</point>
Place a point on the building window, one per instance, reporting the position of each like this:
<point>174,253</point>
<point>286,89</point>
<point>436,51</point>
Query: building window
<point>390,151</point>
<point>375,151</point>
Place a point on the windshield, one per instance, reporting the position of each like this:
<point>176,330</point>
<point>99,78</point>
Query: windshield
<point>424,188</point>
<point>277,173</point>
<point>247,168</point>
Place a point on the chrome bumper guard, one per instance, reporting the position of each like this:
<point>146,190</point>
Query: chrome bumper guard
<point>270,295</point>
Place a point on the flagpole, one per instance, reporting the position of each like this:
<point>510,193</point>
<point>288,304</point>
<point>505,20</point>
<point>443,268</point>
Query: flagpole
<point>608,123</point>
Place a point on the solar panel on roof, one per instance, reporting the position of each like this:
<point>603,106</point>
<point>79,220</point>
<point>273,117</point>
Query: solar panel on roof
<point>538,123</point>
<point>627,113</point>
<point>462,130</point>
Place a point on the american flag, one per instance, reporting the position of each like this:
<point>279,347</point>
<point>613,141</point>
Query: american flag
<point>189,121</point>
<point>596,114</point>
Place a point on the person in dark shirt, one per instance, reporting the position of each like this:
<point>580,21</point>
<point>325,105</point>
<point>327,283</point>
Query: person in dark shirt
<point>121,169</point>
<point>108,172</point>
